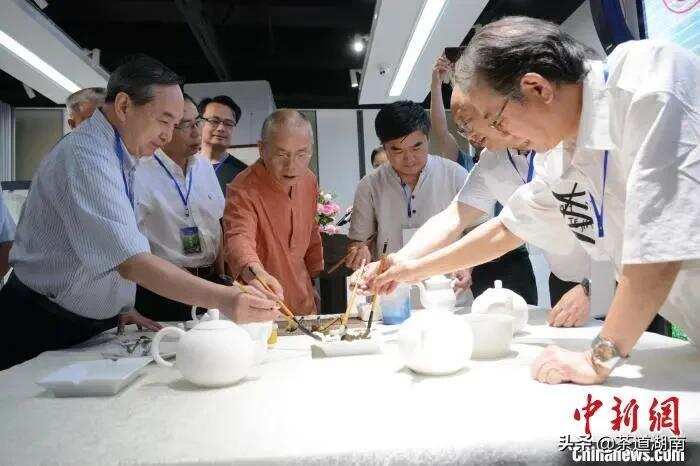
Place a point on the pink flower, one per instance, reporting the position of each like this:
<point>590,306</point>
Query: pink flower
<point>320,208</point>
<point>330,229</point>
<point>335,207</point>
<point>328,209</point>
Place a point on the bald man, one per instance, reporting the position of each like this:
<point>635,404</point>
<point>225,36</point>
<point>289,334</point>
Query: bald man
<point>269,221</point>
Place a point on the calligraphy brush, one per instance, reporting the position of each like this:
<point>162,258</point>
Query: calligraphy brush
<point>375,298</point>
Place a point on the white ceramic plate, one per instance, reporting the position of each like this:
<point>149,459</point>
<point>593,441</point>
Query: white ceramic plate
<point>94,378</point>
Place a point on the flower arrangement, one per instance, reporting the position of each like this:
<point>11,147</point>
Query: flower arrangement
<point>326,210</point>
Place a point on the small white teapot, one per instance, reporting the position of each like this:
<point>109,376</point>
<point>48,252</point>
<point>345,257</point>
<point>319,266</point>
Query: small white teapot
<point>435,342</point>
<point>215,353</point>
<point>501,300</point>
<point>436,293</point>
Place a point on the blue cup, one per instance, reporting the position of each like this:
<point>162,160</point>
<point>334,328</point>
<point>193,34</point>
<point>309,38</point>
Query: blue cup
<point>396,307</point>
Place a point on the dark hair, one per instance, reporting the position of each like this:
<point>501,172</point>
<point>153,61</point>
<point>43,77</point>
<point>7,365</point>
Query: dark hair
<point>502,52</point>
<point>375,151</point>
<point>400,119</point>
<point>136,77</point>
<point>191,99</point>
<point>223,100</point>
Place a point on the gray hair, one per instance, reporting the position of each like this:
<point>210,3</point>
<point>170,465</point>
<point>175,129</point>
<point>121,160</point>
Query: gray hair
<point>95,95</point>
<point>286,117</point>
<point>502,52</point>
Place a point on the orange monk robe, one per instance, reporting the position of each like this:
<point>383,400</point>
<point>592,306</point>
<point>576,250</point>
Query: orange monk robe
<point>264,223</point>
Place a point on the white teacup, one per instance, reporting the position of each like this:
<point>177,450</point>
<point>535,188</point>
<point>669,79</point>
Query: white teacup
<point>492,333</point>
<point>260,333</point>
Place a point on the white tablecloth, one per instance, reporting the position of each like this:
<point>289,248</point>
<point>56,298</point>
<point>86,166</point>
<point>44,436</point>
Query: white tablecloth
<point>362,409</point>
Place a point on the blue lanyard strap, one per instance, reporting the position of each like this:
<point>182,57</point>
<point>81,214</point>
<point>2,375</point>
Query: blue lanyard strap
<point>530,166</point>
<point>119,150</point>
<point>218,166</point>
<point>184,197</point>
<point>599,213</point>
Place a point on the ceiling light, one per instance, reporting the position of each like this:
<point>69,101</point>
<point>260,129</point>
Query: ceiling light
<point>37,63</point>
<point>355,77</point>
<point>424,27</point>
<point>358,44</point>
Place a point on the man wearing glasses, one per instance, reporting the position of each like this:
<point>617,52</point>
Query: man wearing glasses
<point>270,231</point>
<point>220,115</point>
<point>178,209</point>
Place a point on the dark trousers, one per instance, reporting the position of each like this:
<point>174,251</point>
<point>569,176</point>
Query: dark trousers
<point>162,309</point>
<point>514,269</point>
<point>558,288</point>
<point>36,324</point>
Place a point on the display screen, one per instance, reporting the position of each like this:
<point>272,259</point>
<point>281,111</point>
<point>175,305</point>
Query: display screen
<point>674,20</point>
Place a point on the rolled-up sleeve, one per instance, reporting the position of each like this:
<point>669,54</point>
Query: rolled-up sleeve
<point>662,215</point>
<point>100,223</point>
<point>240,230</point>
<point>363,221</point>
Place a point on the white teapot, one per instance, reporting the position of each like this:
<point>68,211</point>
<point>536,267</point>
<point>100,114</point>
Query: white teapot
<point>501,300</point>
<point>436,293</point>
<point>215,353</point>
<point>435,342</point>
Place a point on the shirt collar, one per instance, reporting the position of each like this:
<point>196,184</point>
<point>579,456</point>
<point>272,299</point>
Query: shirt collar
<point>594,123</point>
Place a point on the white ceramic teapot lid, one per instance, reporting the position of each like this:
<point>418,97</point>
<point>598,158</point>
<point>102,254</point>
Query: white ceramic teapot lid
<point>437,282</point>
<point>213,322</point>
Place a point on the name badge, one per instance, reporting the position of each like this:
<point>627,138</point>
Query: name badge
<point>191,242</point>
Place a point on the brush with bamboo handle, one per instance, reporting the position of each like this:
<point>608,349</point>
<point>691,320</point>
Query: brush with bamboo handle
<point>353,295</point>
<point>375,298</point>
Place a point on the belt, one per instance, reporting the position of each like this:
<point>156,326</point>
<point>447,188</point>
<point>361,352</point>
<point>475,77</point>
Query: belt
<point>204,271</point>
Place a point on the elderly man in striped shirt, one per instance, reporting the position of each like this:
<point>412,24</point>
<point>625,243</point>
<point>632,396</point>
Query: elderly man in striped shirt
<point>78,253</point>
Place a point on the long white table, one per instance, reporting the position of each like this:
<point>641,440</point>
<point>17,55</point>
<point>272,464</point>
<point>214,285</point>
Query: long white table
<point>361,409</point>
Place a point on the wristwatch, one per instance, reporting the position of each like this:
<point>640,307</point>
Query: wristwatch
<point>586,284</point>
<point>605,354</point>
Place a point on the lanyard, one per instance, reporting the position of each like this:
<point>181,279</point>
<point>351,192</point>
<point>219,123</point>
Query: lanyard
<point>530,166</point>
<point>599,213</point>
<point>408,198</point>
<point>184,197</point>
<point>119,150</point>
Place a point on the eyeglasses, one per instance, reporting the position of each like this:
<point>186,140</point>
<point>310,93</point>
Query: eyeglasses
<point>198,122</point>
<point>215,122</point>
<point>496,123</point>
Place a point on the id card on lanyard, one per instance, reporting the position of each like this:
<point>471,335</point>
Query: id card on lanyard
<point>189,236</point>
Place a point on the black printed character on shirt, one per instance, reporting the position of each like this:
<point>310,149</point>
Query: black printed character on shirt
<point>574,207</point>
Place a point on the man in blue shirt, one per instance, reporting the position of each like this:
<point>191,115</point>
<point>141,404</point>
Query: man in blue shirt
<point>78,253</point>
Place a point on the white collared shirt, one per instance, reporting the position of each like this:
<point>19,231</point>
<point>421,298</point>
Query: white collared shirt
<point>160,210</point>
<point>647,116</point>
<point>495,178</point>
<point>382,202</point>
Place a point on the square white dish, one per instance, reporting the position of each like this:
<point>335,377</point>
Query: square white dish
<point>103,377</point>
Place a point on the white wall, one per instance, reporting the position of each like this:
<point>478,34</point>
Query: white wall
<point>338,154</point>
<point>580,26</point>
<point>370,136</point>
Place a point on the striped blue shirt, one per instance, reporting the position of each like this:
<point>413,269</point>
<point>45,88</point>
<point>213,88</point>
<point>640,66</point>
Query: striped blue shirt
<point>7,225</point>
<point>78,224</point>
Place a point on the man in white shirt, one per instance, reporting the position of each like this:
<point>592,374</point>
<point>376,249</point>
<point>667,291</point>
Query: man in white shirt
<point>400,196</point>
<point>624,182</point>
<point>179,209</point>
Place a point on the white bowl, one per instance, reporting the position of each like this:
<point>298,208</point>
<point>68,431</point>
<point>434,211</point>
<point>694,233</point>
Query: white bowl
<point>492,334</point>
